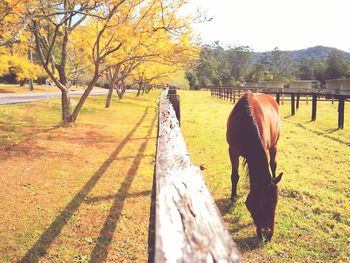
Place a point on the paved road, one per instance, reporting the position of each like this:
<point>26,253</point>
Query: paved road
<point>26,97</point>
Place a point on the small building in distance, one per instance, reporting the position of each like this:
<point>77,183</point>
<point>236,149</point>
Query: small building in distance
<point>271,84</point>
<point>252,84</point>
<point>332,84</point>
<point>345,85</point>
<point>302,84</point>
<point>338,84</point>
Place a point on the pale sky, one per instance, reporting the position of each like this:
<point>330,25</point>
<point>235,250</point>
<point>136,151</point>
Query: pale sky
<point>266,24</point>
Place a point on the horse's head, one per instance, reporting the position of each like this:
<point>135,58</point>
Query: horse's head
<point>261,205</point>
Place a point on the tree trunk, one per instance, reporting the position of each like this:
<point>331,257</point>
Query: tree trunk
<point>120,89</point>
<point>84,96</point>
<point>31,85</point>
<point>30,57</point>
<point>148,88</point>
<point>109,96</point>
<point>67,118</point>
<point>139,89</point>
<point>123,90</point>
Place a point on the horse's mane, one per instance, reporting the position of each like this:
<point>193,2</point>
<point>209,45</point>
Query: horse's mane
<point>245,105</point>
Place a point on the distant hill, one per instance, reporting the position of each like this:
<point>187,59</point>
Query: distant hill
<point>317,52</point>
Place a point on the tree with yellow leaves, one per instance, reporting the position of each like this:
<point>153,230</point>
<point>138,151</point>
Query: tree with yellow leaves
<point>21,67</point>
<point>150,52</point>
<point>15,17</point>
<point>52,28</point>
<point>79,36</point>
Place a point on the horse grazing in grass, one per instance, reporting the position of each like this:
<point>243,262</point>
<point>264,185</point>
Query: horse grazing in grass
<point>253,130</point>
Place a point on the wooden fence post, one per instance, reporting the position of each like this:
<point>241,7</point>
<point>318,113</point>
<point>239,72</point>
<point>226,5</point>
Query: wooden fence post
<point>234,95</point>
<point>341,107</point>
<point>292,104</point>
<point>314,107</point>
<point>175,102</point>
<point>298,99</point>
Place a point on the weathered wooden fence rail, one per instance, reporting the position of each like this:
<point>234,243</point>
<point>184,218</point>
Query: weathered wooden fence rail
<point>234,93</point>
<point>186,225</point>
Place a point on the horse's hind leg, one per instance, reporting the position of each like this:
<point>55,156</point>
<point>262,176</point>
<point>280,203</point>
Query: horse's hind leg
<point>234,157</point>
<point>273,162</point>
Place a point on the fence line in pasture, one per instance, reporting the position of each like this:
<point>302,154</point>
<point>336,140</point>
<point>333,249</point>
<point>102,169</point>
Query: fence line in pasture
<point>186,225</point>
<point>293,95</point>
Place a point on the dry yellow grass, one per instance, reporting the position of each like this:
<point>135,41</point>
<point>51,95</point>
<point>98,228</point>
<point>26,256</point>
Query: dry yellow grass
<point>76,194</point>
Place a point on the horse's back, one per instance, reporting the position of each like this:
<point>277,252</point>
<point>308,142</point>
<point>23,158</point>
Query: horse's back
<point>254,115</point>
<point>266,113</point>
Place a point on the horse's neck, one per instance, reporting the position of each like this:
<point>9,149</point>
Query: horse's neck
<point>259,172</point>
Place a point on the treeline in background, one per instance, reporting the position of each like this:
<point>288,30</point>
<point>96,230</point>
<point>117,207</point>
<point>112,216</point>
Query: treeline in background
<point>231,66</point>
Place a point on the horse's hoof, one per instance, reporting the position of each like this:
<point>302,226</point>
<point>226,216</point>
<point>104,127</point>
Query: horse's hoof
<point>259,234</point>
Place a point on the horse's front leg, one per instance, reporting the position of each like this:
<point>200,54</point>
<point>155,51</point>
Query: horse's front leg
<point>234,157</point>
<point>273,162</point>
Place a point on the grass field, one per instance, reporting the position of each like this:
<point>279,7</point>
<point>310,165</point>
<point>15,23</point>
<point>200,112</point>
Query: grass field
<point>82,194</point>
<point>78,194</point>
<point>313,213</point>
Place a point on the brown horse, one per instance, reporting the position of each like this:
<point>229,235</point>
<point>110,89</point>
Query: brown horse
<point>253,129</point>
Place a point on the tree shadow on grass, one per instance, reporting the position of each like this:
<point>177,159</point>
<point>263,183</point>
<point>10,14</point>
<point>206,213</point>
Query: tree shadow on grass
<point>100,252</point>
<point>25,146</point>
<point>41,246</point>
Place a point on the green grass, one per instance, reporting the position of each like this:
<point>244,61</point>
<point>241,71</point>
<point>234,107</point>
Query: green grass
<point>81,193</point>
<point>312,218</point>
